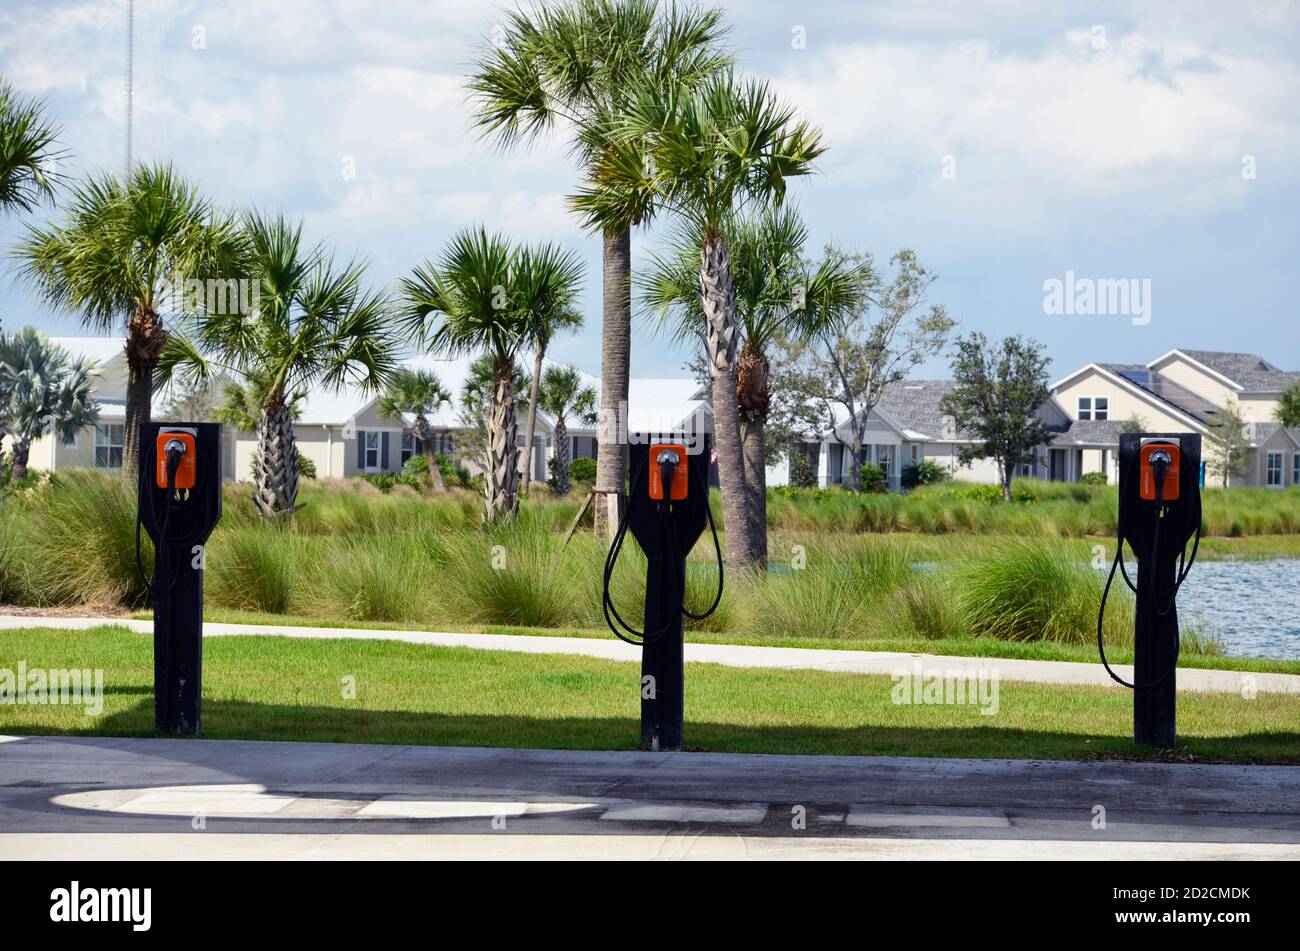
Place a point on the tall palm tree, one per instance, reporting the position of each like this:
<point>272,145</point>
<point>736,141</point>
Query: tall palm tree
<point>418,392</point>
<point>564,394</point>
<point>486,295</point>
<point>123,244</point>
<point>29,153</point>
<point>707,155</point>
<point>314,323</point>
<point>43,393</point>
<point>778,294</point>
<point>569,320</point>
<point>573,65</point>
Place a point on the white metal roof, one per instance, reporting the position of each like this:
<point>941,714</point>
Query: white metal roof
<point>98,350</point>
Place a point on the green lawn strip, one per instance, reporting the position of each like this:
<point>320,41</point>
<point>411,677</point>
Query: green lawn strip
<point>955,646</point>
<point>272,688</point>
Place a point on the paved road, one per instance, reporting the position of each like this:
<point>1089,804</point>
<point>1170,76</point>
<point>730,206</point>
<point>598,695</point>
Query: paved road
<point>78,797</point>
<point>734,655</point>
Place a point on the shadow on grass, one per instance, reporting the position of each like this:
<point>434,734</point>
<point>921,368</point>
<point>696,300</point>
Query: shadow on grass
<point>241,720</point>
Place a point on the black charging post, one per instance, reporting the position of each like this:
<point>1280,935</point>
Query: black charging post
<point>668,507</point>
<point>179,505</point>
<point>1159,512</point>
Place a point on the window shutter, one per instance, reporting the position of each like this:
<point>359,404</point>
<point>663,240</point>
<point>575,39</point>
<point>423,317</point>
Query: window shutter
<point>361,449</point>
<point>383,450</point>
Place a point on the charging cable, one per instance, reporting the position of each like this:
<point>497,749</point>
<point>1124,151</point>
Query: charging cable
<point>668,463</point>
<point>1160,462</point>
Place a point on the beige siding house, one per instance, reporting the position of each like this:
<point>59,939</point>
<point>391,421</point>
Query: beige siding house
<point>1179,391</point>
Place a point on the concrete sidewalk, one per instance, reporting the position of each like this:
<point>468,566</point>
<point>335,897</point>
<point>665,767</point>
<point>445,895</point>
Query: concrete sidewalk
<point>733,655</point>
<point>82,797</point>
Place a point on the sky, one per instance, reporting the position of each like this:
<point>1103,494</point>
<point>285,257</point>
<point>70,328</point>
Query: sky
<point>1010,145</point>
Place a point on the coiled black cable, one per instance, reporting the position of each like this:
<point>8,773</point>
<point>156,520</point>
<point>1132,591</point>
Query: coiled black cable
<point>1171,593</point>
<point>671,545</point>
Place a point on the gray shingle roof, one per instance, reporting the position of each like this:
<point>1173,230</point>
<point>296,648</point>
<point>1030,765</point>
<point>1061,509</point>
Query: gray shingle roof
<point>1087,432</point>
<point>915,404</point>
<point>1248,370</point>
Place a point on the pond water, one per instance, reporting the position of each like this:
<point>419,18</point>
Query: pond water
<point>1253,606</point>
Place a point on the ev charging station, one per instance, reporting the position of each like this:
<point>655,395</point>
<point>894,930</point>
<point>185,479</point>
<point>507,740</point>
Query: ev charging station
<point>668,507</point>
<point>1159,512</point>
<point>179,504</point>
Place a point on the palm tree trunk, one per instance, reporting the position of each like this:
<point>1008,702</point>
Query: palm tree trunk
<point>753,442</point>
<point>22,449</point>
<point>719,306</point>
<point>144,342</point>
<point>561,457</point>
<point>754,400</point>
<point>532,418</point>
<point>276,488</point>
<point>501,452</point>
<point>424,433</point>
<point>615,364</point>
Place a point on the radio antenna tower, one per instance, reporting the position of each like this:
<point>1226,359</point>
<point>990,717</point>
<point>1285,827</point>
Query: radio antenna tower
<point>130,77</point>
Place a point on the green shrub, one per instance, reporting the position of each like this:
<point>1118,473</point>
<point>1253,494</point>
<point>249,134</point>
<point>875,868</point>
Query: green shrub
<point>417,464</point>
<point>801,470</point>
<point>922,472</point>
<point>582,471</point>
<point>1034,591</point>
<point>253,568</point>
<point>874,479</point>
<point>81,541</point>
<point>1093,478</point>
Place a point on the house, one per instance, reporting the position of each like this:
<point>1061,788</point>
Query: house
<point>343,433</point>
<point>1179,391</point>
<point>905,427</point>
<point>100,446</point>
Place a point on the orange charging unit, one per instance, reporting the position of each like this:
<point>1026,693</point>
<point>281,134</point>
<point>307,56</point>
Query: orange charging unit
<point>1147,477</point>
<point>188,469</point>
<point>677,491</point>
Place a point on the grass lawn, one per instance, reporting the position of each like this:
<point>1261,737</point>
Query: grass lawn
<point>953,646</point>
<point>269,688</point>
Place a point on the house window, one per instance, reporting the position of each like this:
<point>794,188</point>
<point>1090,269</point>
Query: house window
<point>1085,407</point>
<point>1295,469</point>
<point>110,441</point>
<point>1273,469</point>
<point>1100,407</point>
<point>372,449</point>
<point>408,446</point>
<point>885,459</point>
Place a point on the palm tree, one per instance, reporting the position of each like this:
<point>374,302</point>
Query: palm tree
<point>574,65</point>
<point>486,295</point>
<point>43,393</point>
<point>778,295</point>
<point>123,244</point>
<point>569,320</point>
<point>563,394</point>
<point>28,153</point>
<point>708,155</point>
<point>314,323</point>
<point>418,392</point>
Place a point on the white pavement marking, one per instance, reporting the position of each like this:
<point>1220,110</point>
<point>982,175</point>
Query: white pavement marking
<point>954,817</point>
<point>501,845</point>
<point>1190,679</point>
<point>748,813</point>
<point>240,800</point>
<point>405,808</point>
